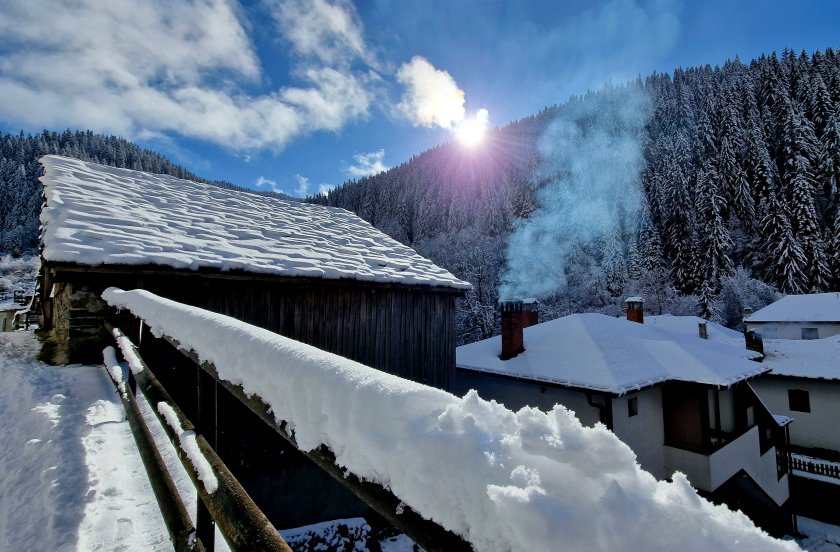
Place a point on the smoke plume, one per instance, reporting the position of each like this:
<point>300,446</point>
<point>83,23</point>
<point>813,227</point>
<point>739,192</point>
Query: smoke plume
<point>591,157</point>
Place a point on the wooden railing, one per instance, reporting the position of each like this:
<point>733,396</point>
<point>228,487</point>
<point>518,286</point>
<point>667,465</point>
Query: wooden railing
<point>240,520</point>
<point>228,506</point>
<point>816,468</point>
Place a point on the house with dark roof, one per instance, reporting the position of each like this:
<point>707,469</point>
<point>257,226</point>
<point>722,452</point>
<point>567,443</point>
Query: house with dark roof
<point>317,274</point>
<point>681,402</point>
<point>809,316</point>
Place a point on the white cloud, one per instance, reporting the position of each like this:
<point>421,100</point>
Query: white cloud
<point>367,164</point>
<point>324,189</point>
<point>263,182</point>
<point>302,185</point>
<point>329,31</point>
<point>168,67</point>
<point>431,96</point>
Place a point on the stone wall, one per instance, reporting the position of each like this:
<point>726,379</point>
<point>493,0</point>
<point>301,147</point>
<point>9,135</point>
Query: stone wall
<point>78,333</point>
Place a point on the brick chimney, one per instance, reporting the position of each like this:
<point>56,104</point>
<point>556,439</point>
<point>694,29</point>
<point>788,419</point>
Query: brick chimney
<point>703,328</point>
<point>516,316</point>
<point>635,309</point>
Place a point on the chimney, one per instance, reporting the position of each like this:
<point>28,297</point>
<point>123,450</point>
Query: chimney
<point>704,330</point>
<point>635,309</point>
<point>747,312</point>
<point>516,316</point>
<point>532,317</point>
<point>754,341</point>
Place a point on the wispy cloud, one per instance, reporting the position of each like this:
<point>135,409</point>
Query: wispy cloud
<point>302,185</point>
<point>263,182</point>
<point>367,164</point>
<point>330,32</point>
<point>606,41</point>
<point>172,67</point>
<point>324,189</point>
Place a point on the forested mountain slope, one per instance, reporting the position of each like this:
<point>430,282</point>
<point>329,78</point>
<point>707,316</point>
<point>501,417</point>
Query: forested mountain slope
<point>735,185</point>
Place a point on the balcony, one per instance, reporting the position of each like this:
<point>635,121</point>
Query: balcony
<point>708,471</point>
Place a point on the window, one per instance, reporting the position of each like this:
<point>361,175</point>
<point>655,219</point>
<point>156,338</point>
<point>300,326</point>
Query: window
<point>810,333</point>
<point>632,406</point>
<point>799,400</point>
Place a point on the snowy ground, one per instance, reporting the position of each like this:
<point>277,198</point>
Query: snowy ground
<point>69,474</point>
<point>71,479</point>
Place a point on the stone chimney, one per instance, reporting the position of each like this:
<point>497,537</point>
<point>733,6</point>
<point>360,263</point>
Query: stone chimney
<point>703,328</point>
<point>635,309</point>
<point>516,316</point>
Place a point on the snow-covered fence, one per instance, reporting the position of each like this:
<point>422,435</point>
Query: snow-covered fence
<point>816,467</point>
<point>222,498</point>
<point>178,523</point>
<point>502,480</point>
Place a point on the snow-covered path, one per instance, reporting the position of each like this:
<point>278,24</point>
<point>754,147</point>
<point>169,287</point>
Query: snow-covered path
<point>70,475</point>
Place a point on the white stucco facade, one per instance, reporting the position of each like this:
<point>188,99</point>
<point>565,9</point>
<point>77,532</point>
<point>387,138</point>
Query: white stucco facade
<point>794,330</point>
<point>819,428</point>
<point>644,432</point>
<point>708,472</point>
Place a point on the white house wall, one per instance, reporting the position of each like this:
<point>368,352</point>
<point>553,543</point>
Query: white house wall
<point>792,330</point>
<point>644,432</point>
<point>743,453</point>
<point>819,428</point>
<point>708,472</point>
<point>515,394</point>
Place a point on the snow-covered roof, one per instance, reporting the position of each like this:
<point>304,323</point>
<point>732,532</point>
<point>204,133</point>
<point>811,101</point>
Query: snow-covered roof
<point>98,215</point>
<point>813,307</point>
<point>687,325</point>
<point>804,358</point>
<point>599,352</point>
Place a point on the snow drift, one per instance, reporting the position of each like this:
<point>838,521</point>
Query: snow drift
<point>526,480</point>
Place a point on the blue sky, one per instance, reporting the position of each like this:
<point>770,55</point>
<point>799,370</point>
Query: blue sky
<point>300,95</point>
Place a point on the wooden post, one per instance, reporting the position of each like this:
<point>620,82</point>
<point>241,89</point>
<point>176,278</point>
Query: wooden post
<point>206,398</point>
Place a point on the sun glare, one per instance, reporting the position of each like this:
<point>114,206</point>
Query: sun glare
<point>471,131</point>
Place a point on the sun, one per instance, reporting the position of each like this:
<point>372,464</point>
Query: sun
<point>471,131</point>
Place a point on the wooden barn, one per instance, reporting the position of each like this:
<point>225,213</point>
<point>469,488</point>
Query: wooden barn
<point>317,274</point>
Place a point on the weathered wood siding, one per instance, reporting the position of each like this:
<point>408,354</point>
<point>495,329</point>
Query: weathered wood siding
<point>408,331</point>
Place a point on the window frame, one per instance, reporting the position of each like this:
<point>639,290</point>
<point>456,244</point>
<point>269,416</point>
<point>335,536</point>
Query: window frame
<point>813,333</point>
<point>632,407</point>
<point>799,400</point>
